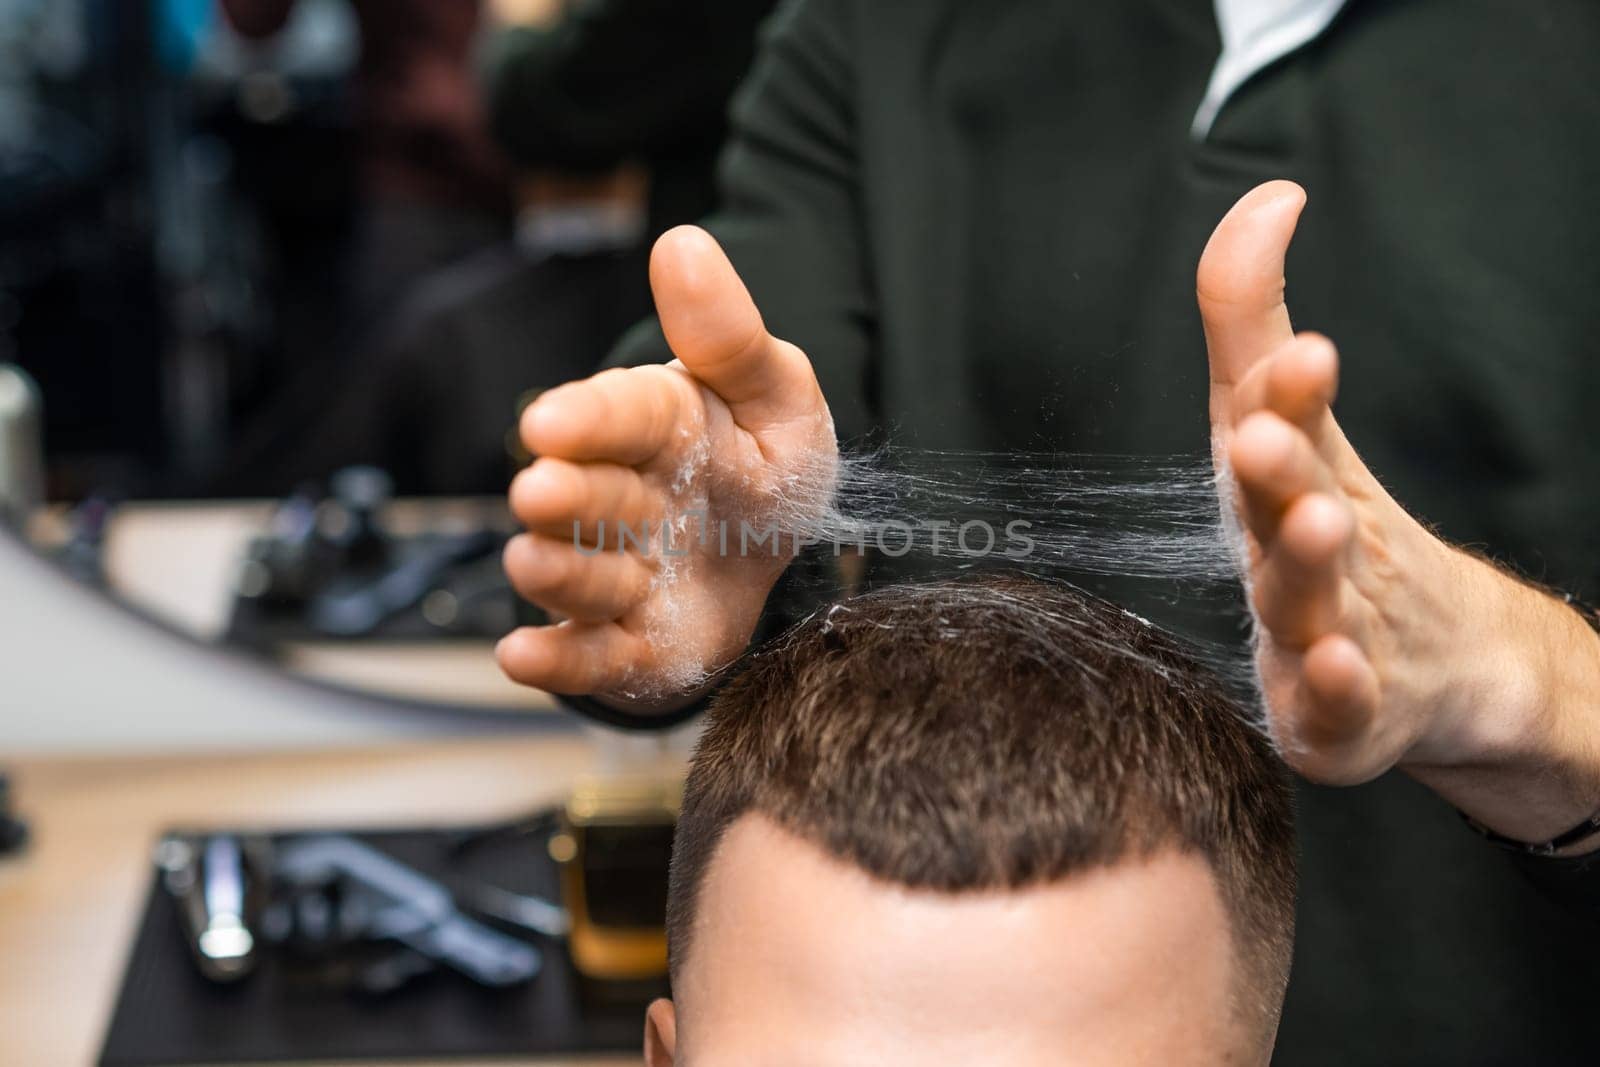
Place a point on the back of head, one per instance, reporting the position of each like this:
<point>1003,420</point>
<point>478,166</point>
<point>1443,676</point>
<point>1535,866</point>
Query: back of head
<point>991,735</point>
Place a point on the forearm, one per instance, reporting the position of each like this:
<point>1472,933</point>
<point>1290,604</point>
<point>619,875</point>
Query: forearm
<point>1516,737</point>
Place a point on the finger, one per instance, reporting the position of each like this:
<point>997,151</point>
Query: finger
<point>715,330</point>
<point>1296,590</point>
<point>1240,284</point>
<point>1342,690</point>
<point>585,503</point>
<point>1297,382</point>
<point>1274,464</point>
<point>569,581</point>
<point>571,657</point>
<point>1301,382</point>
<point>625,415</point>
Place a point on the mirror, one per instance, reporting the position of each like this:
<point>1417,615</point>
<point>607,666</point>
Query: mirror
<point>276,277</point>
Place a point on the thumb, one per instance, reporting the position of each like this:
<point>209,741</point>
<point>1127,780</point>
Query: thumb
<point>715,330</point>
<point>1240,284</point>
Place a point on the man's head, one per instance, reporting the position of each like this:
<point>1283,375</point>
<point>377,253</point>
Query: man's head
<point>994,821</point>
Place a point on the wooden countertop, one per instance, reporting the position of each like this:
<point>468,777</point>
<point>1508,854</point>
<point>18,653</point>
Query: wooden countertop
<point>70,903</point>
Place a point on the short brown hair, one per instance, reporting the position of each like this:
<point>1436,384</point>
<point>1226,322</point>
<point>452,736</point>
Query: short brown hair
<point>990,734</point>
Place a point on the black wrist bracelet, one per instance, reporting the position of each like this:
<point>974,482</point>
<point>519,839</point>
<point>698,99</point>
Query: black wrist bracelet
<point>1582,832</point>
<point>642,722</point>
<point>1590,613</point>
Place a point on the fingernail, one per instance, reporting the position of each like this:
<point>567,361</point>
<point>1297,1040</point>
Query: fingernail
<point>1290,198</point>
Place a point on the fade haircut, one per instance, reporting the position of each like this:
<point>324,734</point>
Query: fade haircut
<point>998,733</point>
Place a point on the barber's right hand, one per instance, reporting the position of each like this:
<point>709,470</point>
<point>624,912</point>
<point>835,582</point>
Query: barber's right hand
<point>734,430</point>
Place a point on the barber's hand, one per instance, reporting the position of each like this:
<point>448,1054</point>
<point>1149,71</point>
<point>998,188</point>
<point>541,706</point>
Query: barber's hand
<point>734,430</point>
<point>1379,644</point>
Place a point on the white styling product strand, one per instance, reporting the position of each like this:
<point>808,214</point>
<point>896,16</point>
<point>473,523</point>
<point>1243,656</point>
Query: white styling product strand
<point>1153,520</point>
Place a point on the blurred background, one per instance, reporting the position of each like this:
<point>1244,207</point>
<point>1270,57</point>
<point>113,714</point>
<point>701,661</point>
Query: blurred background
<point>276,277</point>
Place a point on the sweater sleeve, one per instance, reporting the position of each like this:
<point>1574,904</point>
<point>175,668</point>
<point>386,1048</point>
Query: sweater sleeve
<point>615,80</point>
<point>1572,882</point>
<point>791,215</point>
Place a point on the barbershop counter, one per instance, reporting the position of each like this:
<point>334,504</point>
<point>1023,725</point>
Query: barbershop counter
<point>70,901</point>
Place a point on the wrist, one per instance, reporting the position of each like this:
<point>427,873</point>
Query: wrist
<point>1513,738</point>
<point>1490,688</point>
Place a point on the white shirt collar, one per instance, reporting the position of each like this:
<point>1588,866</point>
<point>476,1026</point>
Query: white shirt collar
<point>1256,33</point>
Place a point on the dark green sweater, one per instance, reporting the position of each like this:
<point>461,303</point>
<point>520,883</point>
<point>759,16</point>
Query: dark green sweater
<point>981,220</point>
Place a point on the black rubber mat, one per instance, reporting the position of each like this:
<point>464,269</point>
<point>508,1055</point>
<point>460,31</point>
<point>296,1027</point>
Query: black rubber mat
<point>168,1014</point>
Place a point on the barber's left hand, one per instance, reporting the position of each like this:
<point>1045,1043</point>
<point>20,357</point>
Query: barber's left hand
<point>1380,645</point>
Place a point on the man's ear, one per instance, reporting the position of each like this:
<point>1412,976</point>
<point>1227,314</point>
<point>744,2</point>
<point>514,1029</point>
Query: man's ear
<point>660,1034</point>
